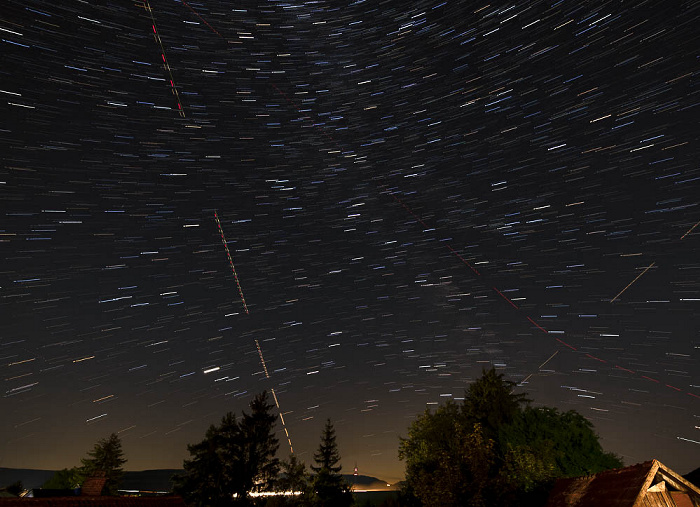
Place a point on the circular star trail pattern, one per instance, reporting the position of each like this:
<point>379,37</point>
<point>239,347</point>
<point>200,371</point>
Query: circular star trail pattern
<point>410,192</point>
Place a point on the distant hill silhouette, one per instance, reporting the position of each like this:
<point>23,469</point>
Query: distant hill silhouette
<point>366,482</point>
<point>150,480</point>
<point>30,478</point>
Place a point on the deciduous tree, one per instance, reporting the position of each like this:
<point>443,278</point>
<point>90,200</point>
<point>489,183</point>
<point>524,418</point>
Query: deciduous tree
<point>491,450</point>
<point>294,482</point>
<point>68,478</point>
<point>566,441</point>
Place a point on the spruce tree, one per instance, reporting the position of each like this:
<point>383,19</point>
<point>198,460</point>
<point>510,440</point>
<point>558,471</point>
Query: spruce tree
<point>330,488</point>
<point>235,458</point>
<point>107,457</point>
<point>327,455</point>
<point>261,465</point>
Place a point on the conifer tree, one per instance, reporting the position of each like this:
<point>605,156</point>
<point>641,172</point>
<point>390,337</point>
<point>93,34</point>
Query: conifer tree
<point>235,459</point>
<point>260,445</point>
<point>327,457</point>
<point>330,488</point>
<point>107,457</point>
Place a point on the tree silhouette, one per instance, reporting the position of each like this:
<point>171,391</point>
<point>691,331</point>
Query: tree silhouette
<point>260,445</point>
<point>235,459</point>
<point>107,457</point>
<point>491,402</point>
<point>327,456</point>
<point>294,479</point>
<point>68,478</point>
<point>490,450</point>
<point>329,485</point>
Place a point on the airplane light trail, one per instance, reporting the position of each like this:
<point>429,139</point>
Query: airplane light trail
<point>629,284</point>
<point>257,345</point>
<point>540,367</point>
<point>274,396</point>
<point>166,65</point>
<point>230,261</point>
<point>690,230</point>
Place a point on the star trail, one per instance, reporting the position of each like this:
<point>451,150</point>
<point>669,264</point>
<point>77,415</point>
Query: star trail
<point>411,191</point>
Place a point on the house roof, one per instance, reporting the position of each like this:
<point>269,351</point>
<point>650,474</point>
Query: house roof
<point>93,485</point>
<point>94,501</point>
<point>632,486</point>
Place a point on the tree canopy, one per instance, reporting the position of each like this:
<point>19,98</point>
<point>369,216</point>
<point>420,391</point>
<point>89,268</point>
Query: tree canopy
<point>107,456</point>
<point>294,479</point>
<point>490,402</point>
<point>235,459</point>
<point>493,449</point>
<point>564,440</point>
<point>326,487</point>
<point>68,478</point>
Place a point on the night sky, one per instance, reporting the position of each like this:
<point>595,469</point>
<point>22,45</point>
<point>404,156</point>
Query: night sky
<point>410,192</point>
